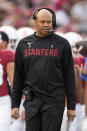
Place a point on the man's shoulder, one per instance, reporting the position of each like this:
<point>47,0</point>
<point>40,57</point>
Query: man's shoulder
<point>27,38</point>
<point>59,37</point>
<point>61,40</point>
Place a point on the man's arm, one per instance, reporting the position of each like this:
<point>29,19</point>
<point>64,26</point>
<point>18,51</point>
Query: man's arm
<point>10,72</point>
<point>18,81</point>
<point>69,76</point>
<point>69,80</point>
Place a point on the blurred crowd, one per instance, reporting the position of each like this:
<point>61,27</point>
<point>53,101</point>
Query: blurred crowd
<point>71,14</point>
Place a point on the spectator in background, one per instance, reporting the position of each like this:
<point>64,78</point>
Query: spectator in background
<point>79,16</point>
<point>6,72</point>
<point>73,38</point>
<point>82,48</point>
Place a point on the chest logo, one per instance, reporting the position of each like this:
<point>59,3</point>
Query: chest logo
<point>51,46</point>
<point>29,44</point>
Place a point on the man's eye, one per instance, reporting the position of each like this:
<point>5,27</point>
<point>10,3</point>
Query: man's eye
<point>42,21</point>
<point>48,22</point>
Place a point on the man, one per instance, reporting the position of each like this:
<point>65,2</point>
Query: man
<point>44,73</point>
<point>6,71</point>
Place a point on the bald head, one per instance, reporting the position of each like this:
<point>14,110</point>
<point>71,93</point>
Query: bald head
<point>44,12</point>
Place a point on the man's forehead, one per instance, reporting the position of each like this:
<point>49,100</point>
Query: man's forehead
<point>44,12</point>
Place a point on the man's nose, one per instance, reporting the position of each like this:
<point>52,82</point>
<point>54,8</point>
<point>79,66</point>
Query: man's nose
<point>46,24</point>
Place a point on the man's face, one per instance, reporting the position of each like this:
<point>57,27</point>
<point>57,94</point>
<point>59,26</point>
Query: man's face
<point>43,23</point>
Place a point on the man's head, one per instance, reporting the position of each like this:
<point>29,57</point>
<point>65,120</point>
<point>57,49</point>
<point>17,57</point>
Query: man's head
<point>3,40</point>
<point>45,20</point>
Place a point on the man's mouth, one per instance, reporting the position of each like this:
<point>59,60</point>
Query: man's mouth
<point>46,30</point>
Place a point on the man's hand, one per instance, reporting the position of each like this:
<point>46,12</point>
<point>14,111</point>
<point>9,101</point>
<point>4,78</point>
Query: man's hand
<point>71,114</point>
<point>15,113</point>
